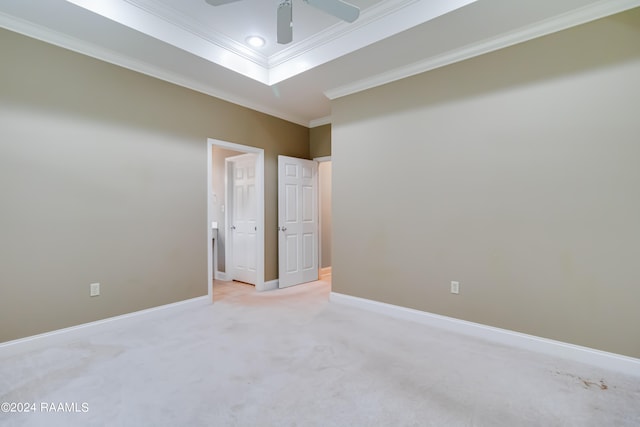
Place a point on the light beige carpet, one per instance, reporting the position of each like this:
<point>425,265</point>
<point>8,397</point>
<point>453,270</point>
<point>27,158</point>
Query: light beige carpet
<point>290,358</point>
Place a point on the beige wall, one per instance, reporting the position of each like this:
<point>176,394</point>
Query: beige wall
<point>515,173</point>
<point>103,178</point>
<point>320,141</point>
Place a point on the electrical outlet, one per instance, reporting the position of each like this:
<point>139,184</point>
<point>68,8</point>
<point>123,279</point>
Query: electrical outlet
<point>455,287</point>
<point>94,289</point>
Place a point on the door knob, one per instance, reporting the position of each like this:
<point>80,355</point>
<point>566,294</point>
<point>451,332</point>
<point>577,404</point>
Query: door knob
<point>283,228</point>
<point>233,227</point>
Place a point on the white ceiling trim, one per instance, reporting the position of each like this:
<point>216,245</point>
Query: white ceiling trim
<point>580,16</point>
<point>382,23</point>
<point>126,13</point>
<point>320,122</point>
<point>377,11</point>
<point>169,25</point>
<point>200,29</point>
<point>89,49</point>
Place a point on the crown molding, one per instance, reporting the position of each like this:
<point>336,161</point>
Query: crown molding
<point>561,22</point>
<point>64,41</point>
<point>378,11</point>
<point>381,23</point>
<point>320,122</point>
<point>126,13</point>
<point>199,29</point>
<point>171,26</point>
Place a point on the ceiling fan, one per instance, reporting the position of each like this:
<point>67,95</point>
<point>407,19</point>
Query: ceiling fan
<point>338,8</point>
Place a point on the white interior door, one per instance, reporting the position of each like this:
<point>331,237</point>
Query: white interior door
<point>243,229</point>
<point>298,221</point>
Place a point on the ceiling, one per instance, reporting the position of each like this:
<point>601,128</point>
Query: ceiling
<point>202,47</point>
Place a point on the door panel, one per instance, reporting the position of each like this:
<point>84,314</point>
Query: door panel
<point>307,251</point>
<point>298,221</point>
<point>308,204</point>
<point>291,253</point>
<point>291,204</point>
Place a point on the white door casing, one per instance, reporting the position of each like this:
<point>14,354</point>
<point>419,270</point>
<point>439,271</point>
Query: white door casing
<point>242,225</point>
<point>298,221</point>
<point>260,247</point>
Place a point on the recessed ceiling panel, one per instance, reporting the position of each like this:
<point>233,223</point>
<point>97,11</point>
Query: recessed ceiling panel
<point>218,33</point>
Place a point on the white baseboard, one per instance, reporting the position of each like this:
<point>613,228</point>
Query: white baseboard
<point>326,271</point>
<point>271,285</point>
<point>599,358</point>
<point>220,275</point>
<point>62,336</point>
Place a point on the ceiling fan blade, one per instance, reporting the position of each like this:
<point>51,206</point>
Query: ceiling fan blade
<point>220,2</point>
<point>338,8</point>
<point>285,22</point>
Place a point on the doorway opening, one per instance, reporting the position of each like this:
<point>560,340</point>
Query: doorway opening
<point>218,226</point>
<point>324,216</point>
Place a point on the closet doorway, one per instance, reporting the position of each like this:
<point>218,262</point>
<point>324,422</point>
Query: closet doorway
<point>219,223</point>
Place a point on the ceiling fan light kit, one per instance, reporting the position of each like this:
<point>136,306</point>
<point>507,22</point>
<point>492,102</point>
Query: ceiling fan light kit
<point>338,8</point>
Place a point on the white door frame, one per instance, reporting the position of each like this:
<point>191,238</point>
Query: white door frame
<point>260,206</point>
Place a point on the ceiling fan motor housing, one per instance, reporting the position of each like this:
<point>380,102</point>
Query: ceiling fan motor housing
<point>338,8</point>
<point>285,22</point>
